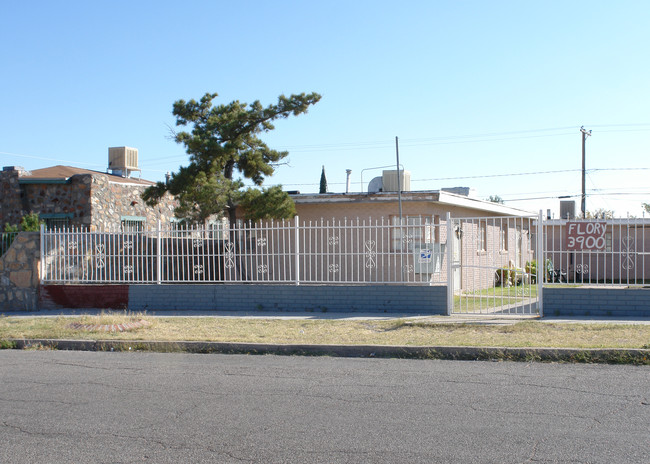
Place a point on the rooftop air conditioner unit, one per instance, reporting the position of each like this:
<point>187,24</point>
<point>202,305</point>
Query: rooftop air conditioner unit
<point>123,160</point>
<point>567,209</point>
<point>389,181</point>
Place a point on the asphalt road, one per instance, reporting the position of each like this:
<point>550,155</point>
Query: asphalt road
<point>149,407</point>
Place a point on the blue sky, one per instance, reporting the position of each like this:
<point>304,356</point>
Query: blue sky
<point>473,89</point>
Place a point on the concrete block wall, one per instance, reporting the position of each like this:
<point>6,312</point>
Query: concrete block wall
<point>240,297</point>
<point>597,302</point>
<point>316,298</point>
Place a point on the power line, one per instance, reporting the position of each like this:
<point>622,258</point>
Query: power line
<point>50,159</point>
<point>577,195</point>
<point>441,140</point>
<point>407,143</point>
<point>485,176</point>
<point>432,139</point>
<point>466,138</point>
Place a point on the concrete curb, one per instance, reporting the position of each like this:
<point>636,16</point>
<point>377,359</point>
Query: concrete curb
<point>609,355</point>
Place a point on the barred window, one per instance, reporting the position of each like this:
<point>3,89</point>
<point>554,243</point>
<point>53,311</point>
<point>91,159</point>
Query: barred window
<point>414,231</point>
<point>132,223</point>
<point>56,221</point>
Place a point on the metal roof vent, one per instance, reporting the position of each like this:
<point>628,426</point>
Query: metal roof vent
<point>123,160</point>
<point>375,185</point>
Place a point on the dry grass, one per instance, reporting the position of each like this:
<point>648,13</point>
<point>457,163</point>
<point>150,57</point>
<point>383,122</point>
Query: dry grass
<point>368,332</point>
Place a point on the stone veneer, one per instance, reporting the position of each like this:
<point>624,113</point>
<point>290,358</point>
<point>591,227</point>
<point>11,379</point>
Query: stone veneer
<point>96,200</point>
<point>69,198</point>
<point>19,273</point>
<point>10,203</point>
<point>111,200</point>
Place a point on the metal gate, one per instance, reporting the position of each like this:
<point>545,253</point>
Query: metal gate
<point>493,266</point>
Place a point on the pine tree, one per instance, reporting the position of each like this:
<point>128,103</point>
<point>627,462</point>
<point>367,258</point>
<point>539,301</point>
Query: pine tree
<point>224,140</point>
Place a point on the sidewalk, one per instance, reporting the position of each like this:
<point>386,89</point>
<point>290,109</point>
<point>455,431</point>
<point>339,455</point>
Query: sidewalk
<point>488,319</point>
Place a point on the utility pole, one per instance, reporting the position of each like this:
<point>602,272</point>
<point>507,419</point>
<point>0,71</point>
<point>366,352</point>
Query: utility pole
<point>585,134</point>
<point>399,180</point>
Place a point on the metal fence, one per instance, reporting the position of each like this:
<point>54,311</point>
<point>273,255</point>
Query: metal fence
<point>597,252</point>
<point>6,239</point>
<point>473,254</point>
<point>494,265</point>
<point>327,252</point>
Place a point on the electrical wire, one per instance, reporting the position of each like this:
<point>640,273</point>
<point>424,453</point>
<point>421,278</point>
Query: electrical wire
<point>487,176</point>
<point>50,159</point>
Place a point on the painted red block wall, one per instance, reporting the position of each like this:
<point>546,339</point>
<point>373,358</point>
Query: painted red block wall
<point>84,296</point>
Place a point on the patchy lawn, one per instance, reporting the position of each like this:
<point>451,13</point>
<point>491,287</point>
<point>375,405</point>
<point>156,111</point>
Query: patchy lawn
<point>318,331</point>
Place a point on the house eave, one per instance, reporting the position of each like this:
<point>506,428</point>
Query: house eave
<point>42,181</point>
<point>434,196</point>
<point>379,197</point>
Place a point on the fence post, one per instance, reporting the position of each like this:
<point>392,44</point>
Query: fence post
<point>158,255</point>
<point>297,256</point>
<point>541,266</point>
<point>450,269</point>
<point>42,253</point>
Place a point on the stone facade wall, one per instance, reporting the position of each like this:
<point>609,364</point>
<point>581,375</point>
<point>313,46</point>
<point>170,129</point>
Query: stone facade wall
<point>19,273</point>
<point>96,200</point>
<point>11,204</point>
<point>69,198</point>
<point>113,200</point>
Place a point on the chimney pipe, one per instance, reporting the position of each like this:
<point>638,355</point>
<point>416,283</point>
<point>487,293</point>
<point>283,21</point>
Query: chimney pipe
<point>347,182</point>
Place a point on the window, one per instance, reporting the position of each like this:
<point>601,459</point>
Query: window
<point>412,234</point>
<point>132,223</point>
<point>56,221</point>
<point>482,236</point>
<point>503,237</point>
<point>436,229</point>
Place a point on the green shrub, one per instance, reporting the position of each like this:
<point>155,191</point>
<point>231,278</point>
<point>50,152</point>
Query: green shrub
<point>505,277</point>
<point>531,270</point>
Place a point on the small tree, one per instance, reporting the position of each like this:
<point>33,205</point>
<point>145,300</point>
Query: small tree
<point>28,223</point>
<point>323,182</point>
<point>224,140</point>
<point>646,207</point>
<point>271,203</point>
<point>495,199</point>
<point>600,213</point>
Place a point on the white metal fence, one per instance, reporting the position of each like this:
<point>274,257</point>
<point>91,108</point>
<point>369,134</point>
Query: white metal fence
<point>474,255</point>
<point>597,251</point>
<point>368,251</point>
<point>494,265</point>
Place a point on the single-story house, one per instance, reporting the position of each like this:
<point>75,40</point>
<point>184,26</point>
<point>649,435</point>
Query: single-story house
<point>486,235</point>
<point>65,196</point>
